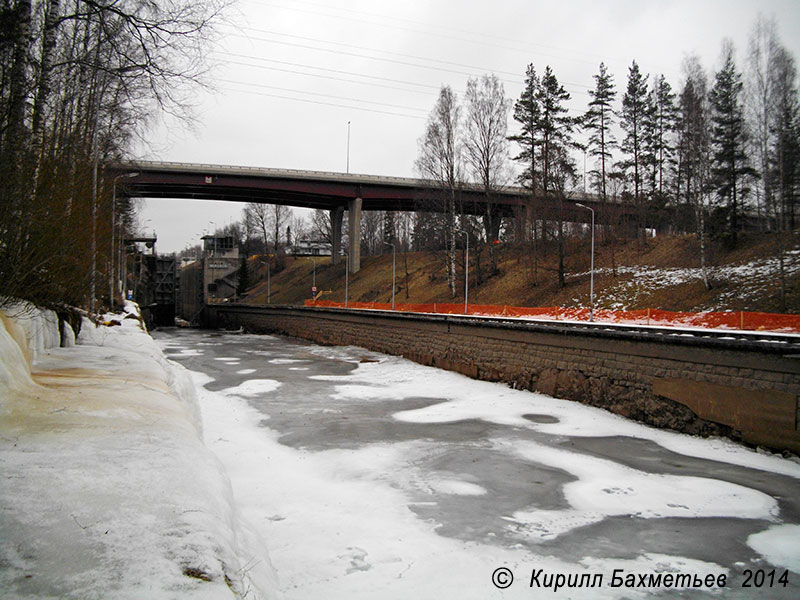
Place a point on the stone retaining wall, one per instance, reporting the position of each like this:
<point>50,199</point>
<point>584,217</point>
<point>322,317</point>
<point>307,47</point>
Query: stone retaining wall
<point>688,385</point>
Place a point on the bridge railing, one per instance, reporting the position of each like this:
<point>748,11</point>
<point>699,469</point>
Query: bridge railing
<point>733,320</point>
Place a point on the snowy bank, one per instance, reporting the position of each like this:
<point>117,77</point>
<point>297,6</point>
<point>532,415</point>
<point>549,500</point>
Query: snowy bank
<point>109,490</point>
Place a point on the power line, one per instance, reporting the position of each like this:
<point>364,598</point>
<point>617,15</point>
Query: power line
<point>377,77</point>
<point>516,81</point>
<point>361,108</point>
<point>294,72</point>
<point>294,64</point>
<point>551,51</point>
<point>329,77</point>
<point>389,52</point>
<point>439,26</point>
<point>378,58</point>
<point>347,98</point>
<point>438,34</point>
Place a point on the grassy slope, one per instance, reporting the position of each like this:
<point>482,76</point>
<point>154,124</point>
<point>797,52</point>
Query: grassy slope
<point>651,274</point>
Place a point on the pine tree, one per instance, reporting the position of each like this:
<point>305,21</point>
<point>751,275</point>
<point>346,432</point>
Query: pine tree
<point>389,228</point>
<point>599,119</point>
<point>555,135</point>
<point>730,168</point>
<point>243,281</point>
<point>555,131</point>
<point>633,117</point>
<point>527,112</point>
<point>660,128</point>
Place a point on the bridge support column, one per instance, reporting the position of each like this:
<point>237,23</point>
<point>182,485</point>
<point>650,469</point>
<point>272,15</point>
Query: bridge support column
<point>354,224</point>
<point>337,216</point>
<point>523,217</point>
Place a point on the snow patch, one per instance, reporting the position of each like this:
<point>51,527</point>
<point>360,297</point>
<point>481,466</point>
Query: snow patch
<point>779,545</point>
<point>496,403</point>
<point>605,488</point>
<point>252,387</point>
<point>456,487</point>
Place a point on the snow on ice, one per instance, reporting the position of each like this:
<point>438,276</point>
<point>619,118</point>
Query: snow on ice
<point>341,524</point>
<point>109,491</point>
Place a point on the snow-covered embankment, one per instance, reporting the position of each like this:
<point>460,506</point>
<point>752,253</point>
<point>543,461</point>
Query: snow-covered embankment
<point>108,489</point>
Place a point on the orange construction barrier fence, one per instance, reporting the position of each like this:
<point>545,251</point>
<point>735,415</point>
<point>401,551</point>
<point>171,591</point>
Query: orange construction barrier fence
<point>741,320</point>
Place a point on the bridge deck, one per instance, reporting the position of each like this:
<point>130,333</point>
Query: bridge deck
<point>327,190</point>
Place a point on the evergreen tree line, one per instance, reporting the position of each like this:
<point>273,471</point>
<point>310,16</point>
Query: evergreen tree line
<point>79,81</point>
<point>704,157</point>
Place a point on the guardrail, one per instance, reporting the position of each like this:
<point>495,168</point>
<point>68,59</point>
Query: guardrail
<point>732,320</point>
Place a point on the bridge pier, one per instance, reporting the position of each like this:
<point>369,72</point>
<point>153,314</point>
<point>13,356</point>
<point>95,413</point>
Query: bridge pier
<point>523,218</point>
<point>337,215</point>
<point>354,224</point>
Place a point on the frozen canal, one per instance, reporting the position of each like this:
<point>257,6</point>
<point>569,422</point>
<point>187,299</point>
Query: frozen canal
<point>369,476</point>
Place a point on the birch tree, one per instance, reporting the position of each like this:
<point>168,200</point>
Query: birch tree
<point>439,159</point>
<point>486,147</point>
<point>78,80</point>
<point>693,141</point>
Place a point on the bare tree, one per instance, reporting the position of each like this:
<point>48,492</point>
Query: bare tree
<point>486,146</point>
<point>694,149</point>
<point>320,226</point>
<point>371,224</point>
<point>785,153</point>
<point>78,80</point>
<point>440,160</point>
<point>759,100</point>
<point>257,218</point>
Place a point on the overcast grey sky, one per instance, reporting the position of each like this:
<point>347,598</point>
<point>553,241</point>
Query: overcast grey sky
<point>289,74</point>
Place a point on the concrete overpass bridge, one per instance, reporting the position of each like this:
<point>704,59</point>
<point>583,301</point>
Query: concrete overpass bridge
<point>337,192</point>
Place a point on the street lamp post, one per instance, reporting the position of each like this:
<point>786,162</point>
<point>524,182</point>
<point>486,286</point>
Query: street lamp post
<point>466,269</point>
<point>591,272</point>
<point>113,230</point>
<point>346,277</point>
<point>393,270</point>
<point>313,278</point>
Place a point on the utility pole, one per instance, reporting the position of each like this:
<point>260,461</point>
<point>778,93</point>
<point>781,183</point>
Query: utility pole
<point>346,277</point>
<point>466,269</point>
<point>314,278</point>
<point>591,276</point>
<point>95,161</point>
<point>393,271</point>
<point>348,146</point>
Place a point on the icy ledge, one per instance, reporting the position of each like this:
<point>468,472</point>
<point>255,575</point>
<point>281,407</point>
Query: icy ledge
<point>108,489</point>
